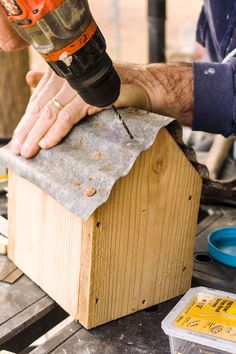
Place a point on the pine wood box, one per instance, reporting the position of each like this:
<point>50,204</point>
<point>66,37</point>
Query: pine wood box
<point>135,251</point>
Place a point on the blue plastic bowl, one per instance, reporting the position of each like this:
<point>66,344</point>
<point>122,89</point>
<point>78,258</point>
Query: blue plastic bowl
<point>222,245</point>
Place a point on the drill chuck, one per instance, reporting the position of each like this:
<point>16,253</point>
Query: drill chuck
<point>99,87</point>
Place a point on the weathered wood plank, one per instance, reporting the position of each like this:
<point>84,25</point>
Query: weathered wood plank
<point>25,318</point>
<point>26,311</point>
<point>139,333</point>
<point>9,273</point>
<point>31,324</point>
<point>58,339</point>
<point>8,268</point>
<point>210,219</point>
<point>14,276</point>
<point>22,294</point>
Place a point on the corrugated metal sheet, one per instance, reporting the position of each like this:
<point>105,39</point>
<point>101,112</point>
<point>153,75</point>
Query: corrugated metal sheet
<point>81,171</point>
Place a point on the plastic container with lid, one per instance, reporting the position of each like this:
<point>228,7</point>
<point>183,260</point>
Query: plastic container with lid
<point>203,322</point>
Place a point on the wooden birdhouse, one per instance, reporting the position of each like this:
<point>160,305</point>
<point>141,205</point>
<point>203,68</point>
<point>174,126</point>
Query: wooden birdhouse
<point>105,224</point>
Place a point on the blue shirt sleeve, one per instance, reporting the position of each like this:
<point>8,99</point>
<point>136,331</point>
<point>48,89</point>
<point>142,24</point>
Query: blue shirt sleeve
<point>215,97</point>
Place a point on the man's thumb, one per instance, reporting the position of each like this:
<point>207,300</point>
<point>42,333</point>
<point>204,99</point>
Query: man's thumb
<point>133,96</point>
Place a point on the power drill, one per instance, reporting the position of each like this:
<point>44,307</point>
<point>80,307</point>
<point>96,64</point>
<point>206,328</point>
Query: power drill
<point>66,35</point>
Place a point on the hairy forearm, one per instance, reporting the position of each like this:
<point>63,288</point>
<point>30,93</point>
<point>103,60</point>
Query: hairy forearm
<point>166,89</point>
<point>172,91</point>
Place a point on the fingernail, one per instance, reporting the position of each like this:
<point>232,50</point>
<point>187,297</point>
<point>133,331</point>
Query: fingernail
<point>15,146</point>
<point>43,143</point>
<point>25,151</point>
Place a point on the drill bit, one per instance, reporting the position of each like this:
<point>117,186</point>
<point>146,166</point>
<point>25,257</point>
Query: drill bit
<point>123,122</point>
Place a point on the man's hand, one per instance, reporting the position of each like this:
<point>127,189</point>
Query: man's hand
<point>165,89</point>
<point>44,124</point>
<point>161,88</point>
<point>9,38</point>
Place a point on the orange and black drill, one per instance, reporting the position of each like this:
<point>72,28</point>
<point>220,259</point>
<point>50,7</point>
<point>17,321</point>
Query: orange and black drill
<point>66,35</point>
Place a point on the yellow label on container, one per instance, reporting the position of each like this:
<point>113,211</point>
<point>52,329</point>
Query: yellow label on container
<point>210,314</point>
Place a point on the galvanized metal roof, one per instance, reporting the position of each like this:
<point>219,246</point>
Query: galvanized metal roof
<point>81,171</point>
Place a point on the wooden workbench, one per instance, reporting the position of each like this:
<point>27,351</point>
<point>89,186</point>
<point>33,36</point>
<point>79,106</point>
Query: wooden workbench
<point>27,313</point>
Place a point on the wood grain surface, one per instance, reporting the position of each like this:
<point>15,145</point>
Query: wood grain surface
<point>143,237</point>
<point>45,241</point>
<point>134,252</point>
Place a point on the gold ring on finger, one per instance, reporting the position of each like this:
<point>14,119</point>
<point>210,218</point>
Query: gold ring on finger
<point>57,104</point>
